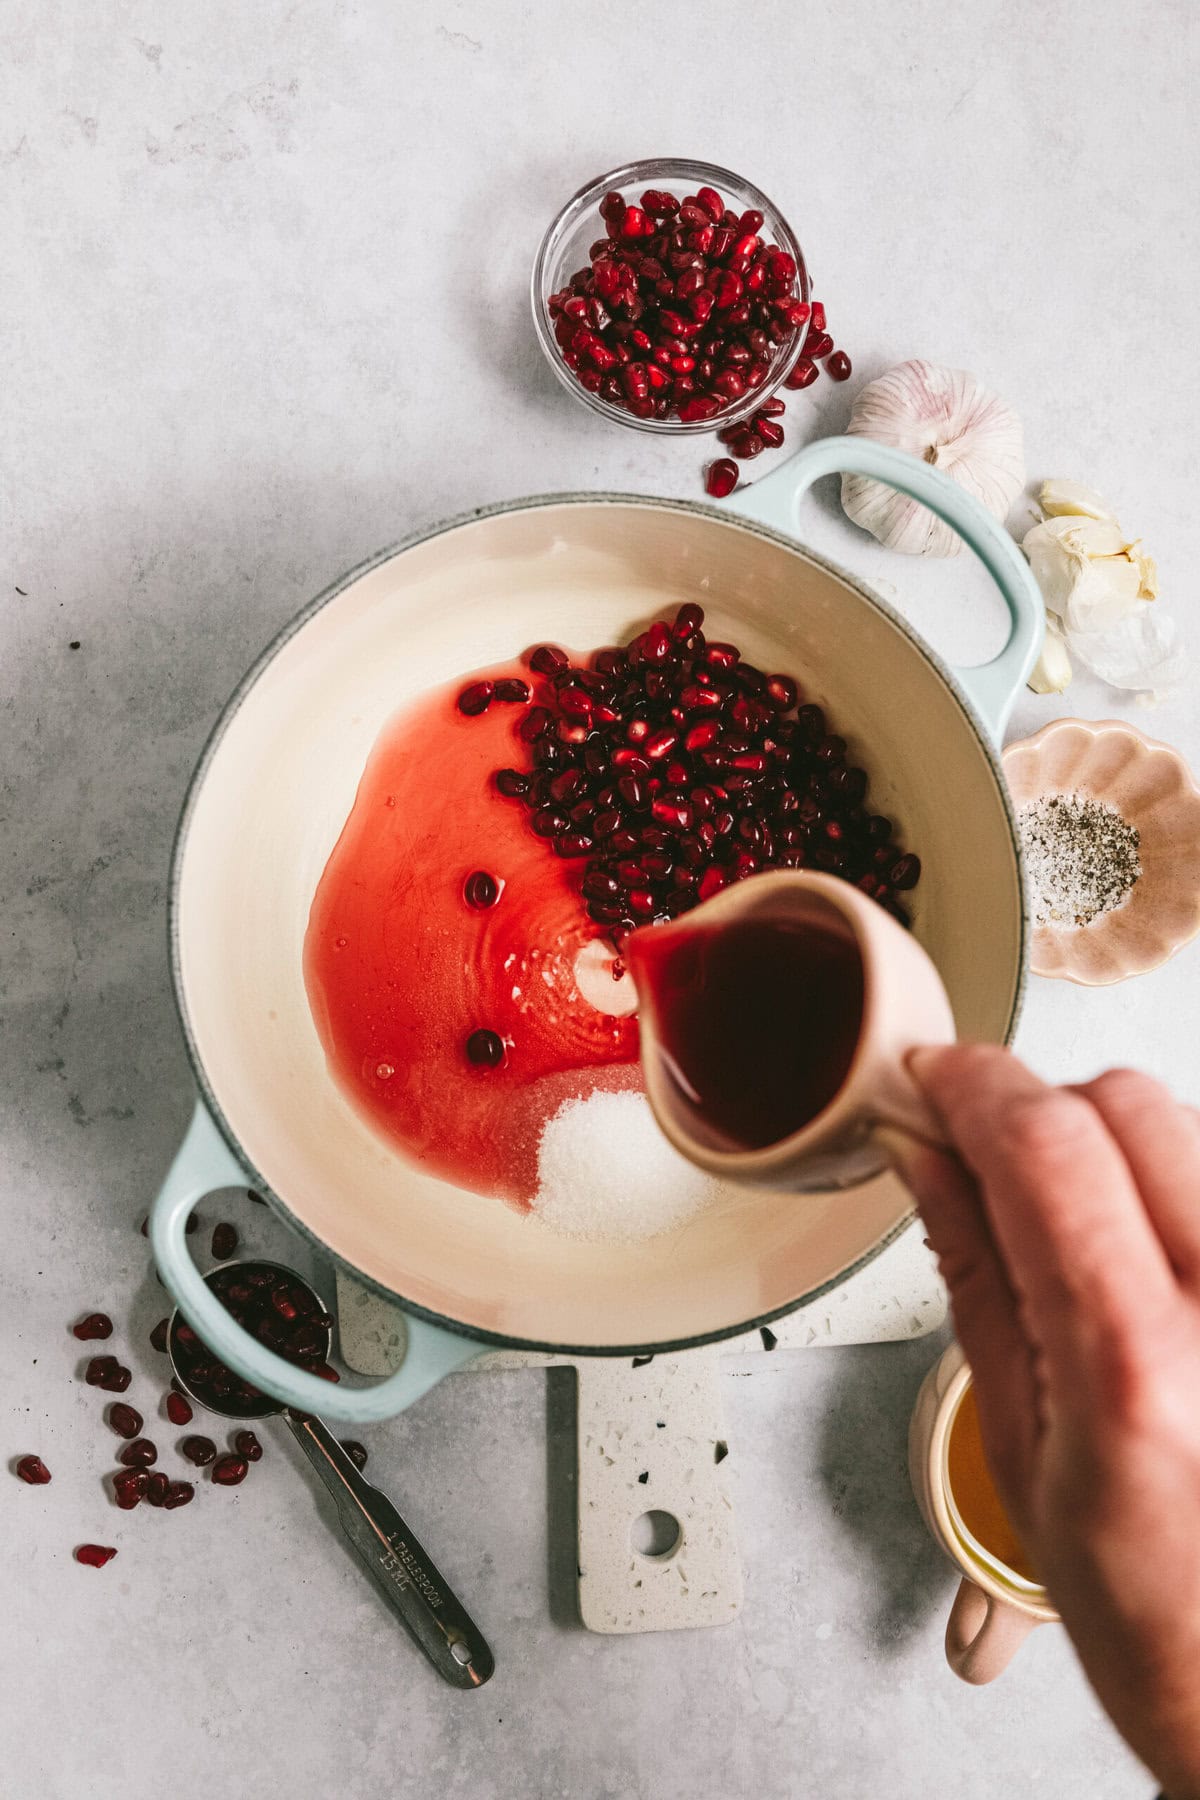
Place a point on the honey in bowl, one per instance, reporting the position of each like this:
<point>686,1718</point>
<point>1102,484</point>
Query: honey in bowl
<point>974,1494</point>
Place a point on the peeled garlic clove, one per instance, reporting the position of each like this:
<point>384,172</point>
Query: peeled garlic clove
<point>1072,498</point>
<point>944,417</point>
<point>1052,671</point>
<point>1105,593</point>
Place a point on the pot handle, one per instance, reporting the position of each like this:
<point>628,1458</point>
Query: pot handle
<point>204,1162</point>
<point>993,686</point>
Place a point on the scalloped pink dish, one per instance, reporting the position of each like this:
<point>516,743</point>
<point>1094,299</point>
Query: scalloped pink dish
<point>1153,789</point>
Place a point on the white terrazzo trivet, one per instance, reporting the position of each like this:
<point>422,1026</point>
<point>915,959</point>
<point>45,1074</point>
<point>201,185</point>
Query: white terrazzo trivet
<point>651,1438</point>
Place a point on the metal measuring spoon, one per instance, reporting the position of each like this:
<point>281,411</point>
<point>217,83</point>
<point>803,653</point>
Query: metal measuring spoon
<point>387,1549</point>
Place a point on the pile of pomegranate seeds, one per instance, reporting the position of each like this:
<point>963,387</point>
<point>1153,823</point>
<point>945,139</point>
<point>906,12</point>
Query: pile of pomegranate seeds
<point>681,313</point>
<point>33,1470</point>
<point>671,768</point>
<point>94,1556</point>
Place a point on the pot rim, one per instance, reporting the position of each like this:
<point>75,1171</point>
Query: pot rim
<point>424,534</point>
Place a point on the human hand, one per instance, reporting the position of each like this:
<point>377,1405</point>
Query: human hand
<point>1068,1233</point>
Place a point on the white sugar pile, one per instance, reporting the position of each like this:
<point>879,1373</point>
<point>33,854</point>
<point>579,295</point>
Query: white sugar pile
<point>606,1172</point>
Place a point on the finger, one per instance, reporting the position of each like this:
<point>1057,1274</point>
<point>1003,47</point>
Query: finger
<point>986,1319</point>
<point>1160,1141</point>
<point>1078,1247</point>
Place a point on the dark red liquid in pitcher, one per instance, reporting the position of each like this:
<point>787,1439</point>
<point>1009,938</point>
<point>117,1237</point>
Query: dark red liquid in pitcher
<point>758,1023</point>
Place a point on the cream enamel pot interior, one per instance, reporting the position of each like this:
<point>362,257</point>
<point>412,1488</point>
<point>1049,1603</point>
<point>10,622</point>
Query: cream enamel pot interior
<point>276,783</point>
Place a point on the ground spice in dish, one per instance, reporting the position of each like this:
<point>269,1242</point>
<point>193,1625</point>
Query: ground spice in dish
<point>1081,858</point>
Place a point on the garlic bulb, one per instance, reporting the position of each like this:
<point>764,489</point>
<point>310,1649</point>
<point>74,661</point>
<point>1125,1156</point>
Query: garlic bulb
<point>947,419</point>
<point>1098,583</point>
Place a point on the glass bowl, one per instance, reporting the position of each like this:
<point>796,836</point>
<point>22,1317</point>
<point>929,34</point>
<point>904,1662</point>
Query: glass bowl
<point>564,250</point>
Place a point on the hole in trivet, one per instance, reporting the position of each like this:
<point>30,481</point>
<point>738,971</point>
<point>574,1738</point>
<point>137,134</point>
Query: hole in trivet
<point>461,1653</point>
<point>655,1534</point>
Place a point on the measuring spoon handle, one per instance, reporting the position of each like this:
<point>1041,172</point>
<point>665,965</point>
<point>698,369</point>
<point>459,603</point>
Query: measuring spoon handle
<point>396,1562</point>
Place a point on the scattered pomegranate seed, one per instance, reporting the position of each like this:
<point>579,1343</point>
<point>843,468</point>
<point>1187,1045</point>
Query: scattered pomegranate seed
<point>838,365</point>
<point>228,1471</point>
<point>198,1450</point>
<point>803,374</point>
<point>355,1451</point>
<point>722,478</point>
<point>511,782</point>
<point>179,1493</point>
<point>224,1241</point>
<point>115,1378</point>
<point>93,1325</point>
<point>158,1337</point>
<point>125,1420</point>
<point>178,1410</point>
<point>129,1488</point>
<point>481,890</point>
<point>248,1446</point>
<point>33,1470</point>
<point>158,1486</point>
<point>512,689</point>
<point>138,1455</point>
<point>485,1049</point>
<point>94,1556</point>
<point>99,1369</point>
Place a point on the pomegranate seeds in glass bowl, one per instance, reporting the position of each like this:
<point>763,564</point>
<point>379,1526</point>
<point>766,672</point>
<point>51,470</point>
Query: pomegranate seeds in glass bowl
<point>671,296</point>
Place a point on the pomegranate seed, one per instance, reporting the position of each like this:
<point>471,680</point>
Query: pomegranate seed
<point>481,890</point>
<point>125,1420</point>
<point>712,203</point>
<point>94,1556</point>
<point>198,1450</point>
<point>248,1446</point>
<point>158,1337</point>
<point>93,1325</point>
<point>224,1241</point>
<point>355,1451</point>
<point>818,316</point>
<point>711,882</point>
<point>547,659</point>
<point>129,1488</point>
<point>905,872</point>
<point>178,1410</point>
<point>817,344</point>
<point>803,374</point>
<point>535,724</point>
<point>722,478</point>
<point>179,1493</point>
<point>229,1470</point>
<point>33,1470</point>
<point>770,433</point>
<point>138,1455</point>
<point>115,1381</point>
<point>782,692</point>
<point>839,365</point>
<point>99,1369</point>
<point>476,698</point>
<point>485,1049</point>
<point>157,1487</point>
<point>512,690</point>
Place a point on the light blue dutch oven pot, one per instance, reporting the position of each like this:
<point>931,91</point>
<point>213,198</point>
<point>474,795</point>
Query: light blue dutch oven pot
<point>274,787</point>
